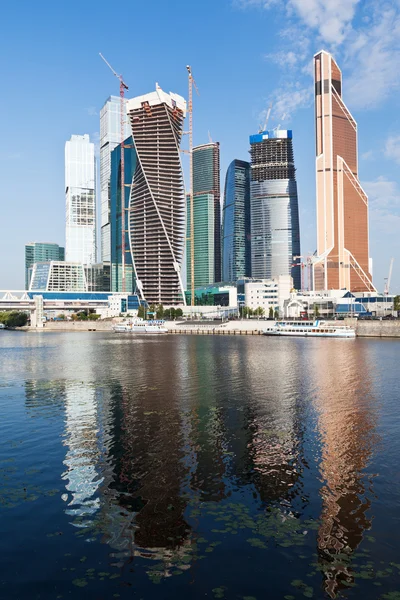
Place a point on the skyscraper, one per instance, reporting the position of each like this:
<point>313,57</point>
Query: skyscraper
<point>40,252</point>
<point>80,191</point>
<point>116,214</point>
<point>110,137</point>
<point>342,205</point>
<point>275,231</point>
<point>236,259</point>
<point>207,216</point>
<point>157,200</point>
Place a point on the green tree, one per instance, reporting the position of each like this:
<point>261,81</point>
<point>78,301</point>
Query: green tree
<point>141,312</point>
<point>173,312</point>
<point>93,317</point>
<point>178,313</point>
<point>167,313</point>
<point>160,311</point>
<point>396,303</point>
<point>316,311</point>
<point>13,318</point>
<point>271,312</point>
<point>61,316</point>
<point>276,314</point>
<point>247,311</point>
<point>259,311</point>
<point>82,316</point>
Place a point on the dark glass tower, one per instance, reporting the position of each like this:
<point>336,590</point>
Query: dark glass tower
<point>130,160</point>
<point>236,258</point>
<point>275,230</point>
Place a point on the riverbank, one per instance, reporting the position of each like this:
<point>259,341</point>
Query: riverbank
<point>376,329</point>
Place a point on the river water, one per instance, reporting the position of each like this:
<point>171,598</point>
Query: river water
<point>179,467</point>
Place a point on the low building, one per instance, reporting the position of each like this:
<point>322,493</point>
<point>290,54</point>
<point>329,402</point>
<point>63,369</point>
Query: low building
<point>217,294</point>
<point>58,276</point>
<point>40,252</point>
<point>265,293</point>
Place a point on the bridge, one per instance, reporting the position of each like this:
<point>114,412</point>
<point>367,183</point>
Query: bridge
<point>38,302</point>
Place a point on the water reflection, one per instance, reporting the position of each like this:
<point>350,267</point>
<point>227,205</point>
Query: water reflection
<point>347,422</point>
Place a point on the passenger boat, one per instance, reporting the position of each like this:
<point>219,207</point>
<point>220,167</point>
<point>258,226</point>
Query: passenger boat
<point>309,329</point>
<point>140,326</point>
<point>2,326</point>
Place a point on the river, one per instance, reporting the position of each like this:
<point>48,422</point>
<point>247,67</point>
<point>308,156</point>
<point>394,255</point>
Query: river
<point>179,467</point>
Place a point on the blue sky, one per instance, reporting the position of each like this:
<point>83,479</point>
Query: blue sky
<point>244,54</point>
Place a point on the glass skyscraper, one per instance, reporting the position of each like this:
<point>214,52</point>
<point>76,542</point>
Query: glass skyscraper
<point>207,221</point>
<point>116,214</point>
<point>80,192</point>
<point>236,259</point>
<point>275,230</point>
<point>40,252</point>
<point>110,137</point>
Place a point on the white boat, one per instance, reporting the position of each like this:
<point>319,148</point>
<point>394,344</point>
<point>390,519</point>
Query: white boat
<point>2,326</point>
<point>310,329</point>
<point>140,326</point>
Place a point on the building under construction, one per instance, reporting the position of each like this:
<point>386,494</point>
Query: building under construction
<point>157,199</point>
<point>275,231</point>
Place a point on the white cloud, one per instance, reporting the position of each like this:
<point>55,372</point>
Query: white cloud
<point>368,155</point>
<point>283,59</point>
<point>91,111</point>
<point>384,206</point>
<point>392,148</point>
<point>330,18</point>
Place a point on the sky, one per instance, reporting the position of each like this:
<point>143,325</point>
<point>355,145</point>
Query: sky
<point>244,55</point>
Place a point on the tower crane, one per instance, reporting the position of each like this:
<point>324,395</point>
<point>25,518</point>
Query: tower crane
<point>192,84</point>
<point>389,278</point>
<point>261,128</point>
<point>122,87</point>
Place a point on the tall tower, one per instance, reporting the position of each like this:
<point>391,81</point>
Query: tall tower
<point>157,201</point>
<point>110,137</point>
<point>80,192</point>
<point>275,230</point>
<point>342,205</point>
<point>207,216</point>
<point>236,259</point>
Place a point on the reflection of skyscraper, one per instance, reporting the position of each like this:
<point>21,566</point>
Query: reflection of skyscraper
<point>157,202</point>
<point>207,216</point>
<point>80,191</point>
<point>342,205</point>
<point>236,259</point>
<point>346,420</point>
<point>275,230</point>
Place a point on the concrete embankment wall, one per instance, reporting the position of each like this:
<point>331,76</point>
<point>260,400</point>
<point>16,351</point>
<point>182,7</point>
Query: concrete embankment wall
<point>74,326</point>
<point>375,328</point>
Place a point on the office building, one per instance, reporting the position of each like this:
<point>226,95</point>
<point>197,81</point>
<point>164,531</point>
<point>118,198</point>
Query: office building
<point>265,293</point>
<point>236,258</point>
<point>110,137</point>
<point>54,276</point>
<point>117,284</point>
<point>342,206</point>
<point>157,200</point>
<point>275,231</point>
<point>80,191</point>
<point>207,216</point>
<point>40,252</point>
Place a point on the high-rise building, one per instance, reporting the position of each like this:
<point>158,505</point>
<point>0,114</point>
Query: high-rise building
<point>116,214</point>
<point>110,137</point>
<point>275,230</point>
<point>207,216</point>
<point>157,200</point>
<point>342,205</point>
<point>40,252</point>
<point>80,191</point>
<point>236,258</point>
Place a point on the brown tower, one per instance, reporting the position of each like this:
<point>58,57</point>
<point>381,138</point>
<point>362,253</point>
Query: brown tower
<point>342,205</point>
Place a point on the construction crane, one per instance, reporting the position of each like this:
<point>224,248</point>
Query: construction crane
<point>302,265</point>
<point>261,128</point>
<point>210,138</point>
<point>122,88</point>
<point>192,84</point>
<point>389,278</point>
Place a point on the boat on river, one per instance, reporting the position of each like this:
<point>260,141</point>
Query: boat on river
<point>310,329</point>
<point>140,326</point>
<point>2,326</point>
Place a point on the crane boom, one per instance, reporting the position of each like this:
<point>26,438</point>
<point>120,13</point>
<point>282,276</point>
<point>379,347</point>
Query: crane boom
<point>122,88</point>
<point>387,290</point>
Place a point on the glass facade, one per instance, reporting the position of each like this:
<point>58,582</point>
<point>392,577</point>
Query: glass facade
<point>207,238</point>
<point>110,137</point>
<point>58,277</point>
<point>236,259</point>
<point>40,252</point>
<point>203,240</point>
<point>275,230</point>
<point>80,190</point>
<point>116,215</point>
